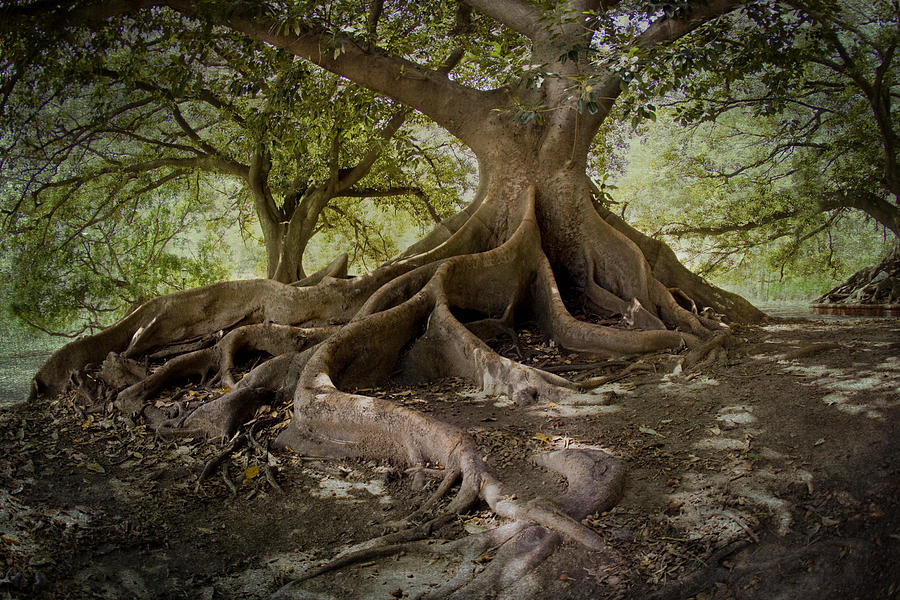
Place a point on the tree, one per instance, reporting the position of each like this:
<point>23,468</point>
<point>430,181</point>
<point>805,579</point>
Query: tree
<point>172,107</point>
<point>538,81</point>
<point>807,91</point>
<point>746,229</point>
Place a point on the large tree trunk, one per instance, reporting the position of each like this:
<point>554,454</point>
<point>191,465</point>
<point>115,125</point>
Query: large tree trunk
<point>285,245</point>
<point>284,253</point>
<point>286,236</point>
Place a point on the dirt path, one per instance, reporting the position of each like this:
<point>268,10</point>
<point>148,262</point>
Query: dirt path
<point>774,475</point>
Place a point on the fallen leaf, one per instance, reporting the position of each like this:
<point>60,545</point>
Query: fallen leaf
<point>96,468</point>
<point>473,528</point>
<point>649,431</point>
<point>251,473</point>
<point>543,437</point>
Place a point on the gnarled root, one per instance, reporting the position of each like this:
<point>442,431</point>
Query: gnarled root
<point>512,551</point>
<point>270,338</point>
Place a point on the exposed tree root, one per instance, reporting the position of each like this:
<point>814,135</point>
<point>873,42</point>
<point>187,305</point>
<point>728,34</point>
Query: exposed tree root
<point>635,367</point>
<point>510,551</point>
<point>427,315</point>
<point>215,462</point>
<point>705,350</point>
<point>879,284</point>
<point>270,338</point>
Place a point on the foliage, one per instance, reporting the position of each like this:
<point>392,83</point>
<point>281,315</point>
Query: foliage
<point>117,132</point>
<point>806,90</point>
<point>776,148</point>
<point>755,233</point>
<point>94,260</point>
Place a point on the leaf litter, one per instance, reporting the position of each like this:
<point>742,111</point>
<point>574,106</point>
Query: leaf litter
<point>88,493</point>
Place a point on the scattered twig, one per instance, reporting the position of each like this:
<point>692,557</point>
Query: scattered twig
<point>228,481</point>
<point>217,460</point>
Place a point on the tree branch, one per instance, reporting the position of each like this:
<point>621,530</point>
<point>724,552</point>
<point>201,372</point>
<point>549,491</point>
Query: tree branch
<point>667,30</point>
<point>878,208</point>
<point>375,10</point>
<point>191,132</point>
<point>205,163</point>
<point>258,180</point>
<point>515,14</point>
<point>56,15</point>
<point>387,132</point>
<point>713,230</point>
<point>203,95</point>
<point>395,191</point>
<point>430,91</point>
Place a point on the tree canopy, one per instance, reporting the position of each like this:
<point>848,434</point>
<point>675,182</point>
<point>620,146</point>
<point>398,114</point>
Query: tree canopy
<point>805,96</point>
<point>178,128</point>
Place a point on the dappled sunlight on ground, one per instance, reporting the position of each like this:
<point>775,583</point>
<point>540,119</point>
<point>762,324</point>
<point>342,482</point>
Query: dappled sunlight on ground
<point>582,405</point>
<point>867,392</point>
<point>332,487</point>
<point>729,504</point>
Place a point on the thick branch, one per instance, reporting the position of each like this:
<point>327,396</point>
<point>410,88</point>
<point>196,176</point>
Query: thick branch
<point>515,14</point>
<point>430,91</point>
<point>668,30</point>
<point>878,208</point>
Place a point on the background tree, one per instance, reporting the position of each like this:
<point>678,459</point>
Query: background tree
<point>805,95</point>
<point>756,231</point>
<point>113,124</point>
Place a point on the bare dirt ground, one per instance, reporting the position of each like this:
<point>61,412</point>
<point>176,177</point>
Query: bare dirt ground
<point>775,474</point>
